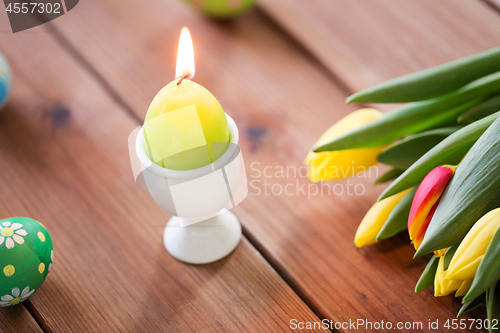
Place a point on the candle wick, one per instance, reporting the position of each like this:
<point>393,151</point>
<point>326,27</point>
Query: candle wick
<point>182,78</point>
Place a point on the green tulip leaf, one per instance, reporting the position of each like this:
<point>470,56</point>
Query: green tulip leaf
<point>431,82</point>
<point>483,109</point>
<point>404,153</point>
<point>472,192</point>
<point>469,306</point>
<point>397,220</point>
<point>449,151</point>
<point>389,175</point>
<point>448,256</point>
<point>493,305</point>
<point>409,119</point>
<point>416,117</point>
<point>427,278</point>
<point>488,271</point>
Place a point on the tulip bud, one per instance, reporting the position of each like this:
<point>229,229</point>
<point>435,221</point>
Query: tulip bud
<point>331,165</point>
<point>473,247</point>
<point>488,272</point>
<point>426,201</point>
<point>375,218</point>
<point>442,285</point>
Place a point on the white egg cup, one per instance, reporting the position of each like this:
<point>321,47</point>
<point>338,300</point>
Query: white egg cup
<point>205,230</point>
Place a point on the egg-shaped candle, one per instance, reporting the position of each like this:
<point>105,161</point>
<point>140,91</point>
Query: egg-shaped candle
<point>185,127</point>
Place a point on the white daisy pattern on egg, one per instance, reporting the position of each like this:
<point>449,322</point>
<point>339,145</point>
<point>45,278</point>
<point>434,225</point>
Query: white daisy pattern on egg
<point>16,297</point>
<point>12,233</point>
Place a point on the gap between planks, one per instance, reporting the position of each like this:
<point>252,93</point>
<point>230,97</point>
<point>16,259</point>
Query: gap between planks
<point>108,88</point>
<point>311,57</point>
<point>282,272</point>
<point>37,316</point>
<point>115,96</point>
<point>493,4</point>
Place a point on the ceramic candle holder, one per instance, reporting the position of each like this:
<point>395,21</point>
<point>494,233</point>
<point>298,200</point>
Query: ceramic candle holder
<point>202,229</point>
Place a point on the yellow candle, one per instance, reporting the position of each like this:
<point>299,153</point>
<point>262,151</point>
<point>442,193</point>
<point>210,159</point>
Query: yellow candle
<point>185,127</point>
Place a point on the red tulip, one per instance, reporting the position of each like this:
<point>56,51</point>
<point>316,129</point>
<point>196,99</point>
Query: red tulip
<point>426,201</point>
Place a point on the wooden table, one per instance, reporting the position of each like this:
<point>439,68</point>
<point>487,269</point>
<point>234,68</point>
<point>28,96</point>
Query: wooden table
<point>84,81</point>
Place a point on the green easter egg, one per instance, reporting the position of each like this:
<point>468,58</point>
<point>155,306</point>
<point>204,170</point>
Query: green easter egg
<point>222,8</point>
<point>26,256</point>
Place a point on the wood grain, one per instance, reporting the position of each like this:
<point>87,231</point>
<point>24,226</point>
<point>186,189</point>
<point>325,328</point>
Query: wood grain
<point>367,42</point>
<point>282,101</point>
<point>65,162</point>
<point>17,320</point>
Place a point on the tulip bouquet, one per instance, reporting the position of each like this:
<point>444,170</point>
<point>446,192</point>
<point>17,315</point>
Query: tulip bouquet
<point>443,148</point>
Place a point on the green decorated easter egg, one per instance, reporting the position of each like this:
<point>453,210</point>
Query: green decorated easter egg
<point>26,256</point>
<point>222,8</point>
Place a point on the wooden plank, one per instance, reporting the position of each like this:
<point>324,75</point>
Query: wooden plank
<point>282,102</point>
<point>367,42</point>
<point>17,320</point>
<point>65,162</point>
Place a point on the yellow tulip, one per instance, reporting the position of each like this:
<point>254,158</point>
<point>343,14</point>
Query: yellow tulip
<point>471,251</point>
<point>375,218</point>
<point>442,285</point>
<point>331,165</point>
<point>464,288</point>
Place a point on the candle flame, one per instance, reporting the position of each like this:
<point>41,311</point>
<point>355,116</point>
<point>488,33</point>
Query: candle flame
<point>185,56</point>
